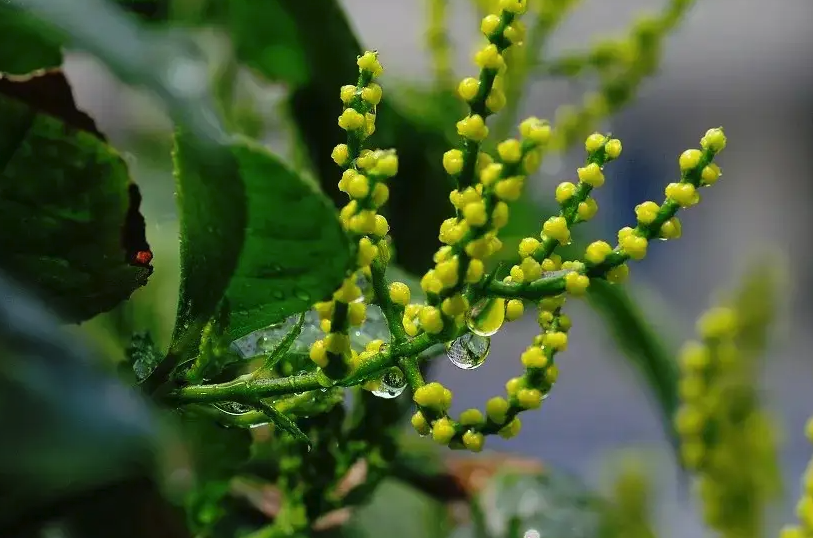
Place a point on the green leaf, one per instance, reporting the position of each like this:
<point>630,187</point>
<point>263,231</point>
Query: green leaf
<point>266,39</point>
<point>216,453</point>
<point>260,233</point>
<point>69,214</point>
<point>284,422</point>
<point>638,340</point>
<point>68,427</point>
<point>296,251</point>
<point>400,511</point>
<point>26,44</point>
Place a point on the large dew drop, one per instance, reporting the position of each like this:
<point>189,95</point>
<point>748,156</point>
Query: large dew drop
<point>391,384</point>
<point>469,351</point>
<point>486,317</point>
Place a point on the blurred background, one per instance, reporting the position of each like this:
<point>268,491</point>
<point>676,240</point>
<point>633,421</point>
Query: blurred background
<point>736,63</point>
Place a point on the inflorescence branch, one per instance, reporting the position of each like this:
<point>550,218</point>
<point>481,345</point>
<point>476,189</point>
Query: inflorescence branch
<point>458,286</point>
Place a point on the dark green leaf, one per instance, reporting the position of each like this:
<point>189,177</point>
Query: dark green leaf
<point>265,38</point>
<point>26,44</point>
<point>69,215</point>
<point>296,251</point>
<point>637,339</point>
<point>67,427</point>
<point>260,233</point>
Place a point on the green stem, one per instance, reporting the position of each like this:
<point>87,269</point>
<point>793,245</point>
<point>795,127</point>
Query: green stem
<point>392,312</point>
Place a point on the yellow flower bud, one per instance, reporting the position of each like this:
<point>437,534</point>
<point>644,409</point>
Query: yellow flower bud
<point>714,140</point>
<point>535,130</point>
<point>528,246</point>
<point>473,441</point>
<point>591,175</point>
<point>318,353</point>
<point>594,142</point>
<point>613,148</point>
<point>597,252</point>
<point>443,431</point>
<point>472,127</point>
<point>565,191</point>
<point>372,94</point>
<point>347,93</point>
<point>510,150</point>
<point>468,88</point>
<point>489,57</point>
<point>399,293</point>
<point>431,320</point>
<point>514,310</point>
<point>496,409</point>
<point>350,120</point>
<point>341,155</point>
<point>690,159</point>
<point>420,424</point>
<point>369,62</point>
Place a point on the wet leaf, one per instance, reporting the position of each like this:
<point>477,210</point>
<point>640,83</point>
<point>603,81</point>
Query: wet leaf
<point>69,215</point>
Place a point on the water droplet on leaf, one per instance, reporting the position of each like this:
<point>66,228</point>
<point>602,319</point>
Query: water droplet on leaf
<point>486,316</point>
<point>391,385</point>
<point>232,408</point>
<point>264,344</point>
<point>469,351</point>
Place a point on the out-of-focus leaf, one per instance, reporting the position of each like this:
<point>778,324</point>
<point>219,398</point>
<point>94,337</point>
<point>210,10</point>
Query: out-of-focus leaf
<point>553,503</point>
<point>641,343</point>
<point>216,453</point>
<point>67,427</point>
<point>26,45</point>
<point>265,38</point>
<point>156,59</point>
<point>70,224</point>
<point>401,512</point>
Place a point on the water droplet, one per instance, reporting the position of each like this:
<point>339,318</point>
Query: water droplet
<point>259,425</point>
<point>486,316</point>
<point>302,295</point>
<point>391,385</point>
<point>232,408</point>
<point>264,344</point>
<point>469,351</point>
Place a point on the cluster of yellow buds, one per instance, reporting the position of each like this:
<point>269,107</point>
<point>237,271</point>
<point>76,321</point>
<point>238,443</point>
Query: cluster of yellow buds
<point>727,440</point>
<point>364,181</point>
<point>804,508</point>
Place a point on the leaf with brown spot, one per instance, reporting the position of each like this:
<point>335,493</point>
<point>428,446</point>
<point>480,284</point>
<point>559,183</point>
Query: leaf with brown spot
<point>70,224</point>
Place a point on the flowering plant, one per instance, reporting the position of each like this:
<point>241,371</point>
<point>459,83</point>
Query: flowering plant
<point>286,304</point>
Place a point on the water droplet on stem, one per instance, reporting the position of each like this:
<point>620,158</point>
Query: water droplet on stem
<point>391,385</point>
<point>486,316</point>
<point>469,351</point>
